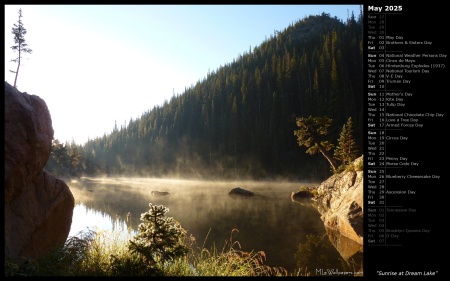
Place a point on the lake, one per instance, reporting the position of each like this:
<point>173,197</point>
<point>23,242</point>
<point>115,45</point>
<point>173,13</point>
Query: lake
<point>269,221</point>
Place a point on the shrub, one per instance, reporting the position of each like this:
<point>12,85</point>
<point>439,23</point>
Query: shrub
<point>159,238</point>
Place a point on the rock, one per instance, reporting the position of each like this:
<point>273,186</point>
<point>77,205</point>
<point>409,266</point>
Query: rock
<point>302,195</point>
<point>342,203</point>
<point>240,191</point>
<point>350,250</point>
<point>28,139</point>
<point>159,193</point>
<point>38,207</point>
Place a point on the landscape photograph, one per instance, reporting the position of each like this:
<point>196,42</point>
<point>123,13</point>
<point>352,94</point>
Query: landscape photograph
<point>184,140</point>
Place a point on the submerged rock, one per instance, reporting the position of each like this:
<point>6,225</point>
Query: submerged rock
<point>159,193</point>
<point>240,191</point>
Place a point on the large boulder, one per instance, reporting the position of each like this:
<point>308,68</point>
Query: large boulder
<point>341,203</point>
<point>38,207</point>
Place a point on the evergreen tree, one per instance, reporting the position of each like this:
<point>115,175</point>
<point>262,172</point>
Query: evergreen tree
<point>346,150</point>
<point>19,44</point>
<point>59,162</point>
<point>159,241</point>
<point>310,132</point>
<point>59,152</point>
<point>232,116</point>
<point>159,238</point>
<point>75,158</point>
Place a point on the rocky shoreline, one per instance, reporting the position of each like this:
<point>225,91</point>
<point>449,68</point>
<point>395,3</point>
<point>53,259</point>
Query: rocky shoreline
<point>340,202</point>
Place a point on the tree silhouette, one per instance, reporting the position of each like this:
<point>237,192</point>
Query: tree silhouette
<point>19,43</point>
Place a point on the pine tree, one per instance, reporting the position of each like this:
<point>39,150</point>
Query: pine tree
<point>310,132</point>
<point>20,46</point>
<point>159,238</point>
<point>346,150</point>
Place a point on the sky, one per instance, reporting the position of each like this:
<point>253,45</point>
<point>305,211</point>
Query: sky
<point>98,65</point>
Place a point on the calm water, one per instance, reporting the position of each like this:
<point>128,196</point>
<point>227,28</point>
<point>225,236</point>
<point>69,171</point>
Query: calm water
<point>268,222</point>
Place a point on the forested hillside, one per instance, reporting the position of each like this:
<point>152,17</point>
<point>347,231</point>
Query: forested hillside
<point>239,120</point>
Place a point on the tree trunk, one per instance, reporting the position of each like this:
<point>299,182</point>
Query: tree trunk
<point>327,155</point>
<point>17,71</point>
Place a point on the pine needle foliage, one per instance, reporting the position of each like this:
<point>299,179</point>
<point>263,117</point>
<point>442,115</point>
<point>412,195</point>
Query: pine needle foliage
<point>346,151</point>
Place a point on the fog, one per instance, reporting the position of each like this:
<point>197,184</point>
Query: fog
<point>269,221</point>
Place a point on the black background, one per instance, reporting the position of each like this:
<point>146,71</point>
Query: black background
<point>422,21</point>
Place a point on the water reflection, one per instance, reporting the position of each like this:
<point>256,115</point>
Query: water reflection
<point>350,251</point>
<point>85,218</point>
<point>317,258</point>
<point>268,221</point>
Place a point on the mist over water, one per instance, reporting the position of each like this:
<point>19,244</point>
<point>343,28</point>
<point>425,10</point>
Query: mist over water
<point>269,221</point>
